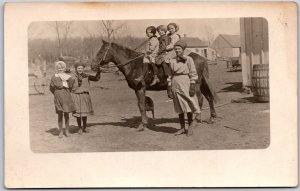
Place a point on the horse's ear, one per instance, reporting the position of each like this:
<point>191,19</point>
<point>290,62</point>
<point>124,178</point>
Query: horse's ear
<point>104,42</point>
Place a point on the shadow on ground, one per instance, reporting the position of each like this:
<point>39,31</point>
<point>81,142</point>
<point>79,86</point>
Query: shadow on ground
<point>235,87</point>
<point>133,122</point>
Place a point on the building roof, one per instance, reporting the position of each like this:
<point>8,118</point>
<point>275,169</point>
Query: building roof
<point>193,42</point>
<point>233,40</point>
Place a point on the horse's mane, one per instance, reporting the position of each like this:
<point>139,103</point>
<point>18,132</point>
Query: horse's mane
<point>131,53</point>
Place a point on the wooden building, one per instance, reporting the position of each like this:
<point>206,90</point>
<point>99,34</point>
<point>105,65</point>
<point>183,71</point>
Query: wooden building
<point>227,46</point>
<point>200,47</point>
<point>254,46</point>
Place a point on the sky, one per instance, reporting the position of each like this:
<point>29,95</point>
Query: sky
<point>190,27</point>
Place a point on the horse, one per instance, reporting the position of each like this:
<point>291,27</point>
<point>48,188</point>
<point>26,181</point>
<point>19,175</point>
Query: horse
<point>129,62</point>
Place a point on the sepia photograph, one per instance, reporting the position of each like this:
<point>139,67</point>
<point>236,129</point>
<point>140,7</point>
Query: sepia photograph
<point>146,95</point>
<point>112,85</point>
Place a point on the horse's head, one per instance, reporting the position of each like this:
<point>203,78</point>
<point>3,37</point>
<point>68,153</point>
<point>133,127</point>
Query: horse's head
<point>103,56</point>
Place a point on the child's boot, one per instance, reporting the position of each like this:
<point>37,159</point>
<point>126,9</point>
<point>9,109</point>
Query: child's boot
<point>79,125</point>
<point>155,80</point>
<point>60,131</point>
<point>139,79</point>
<point>68,131</point>
<point>84,120</point>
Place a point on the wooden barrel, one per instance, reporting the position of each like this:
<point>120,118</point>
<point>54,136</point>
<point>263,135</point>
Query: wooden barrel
<point>260,82</point>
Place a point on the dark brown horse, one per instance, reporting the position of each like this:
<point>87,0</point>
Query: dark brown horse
<point>130,62</point>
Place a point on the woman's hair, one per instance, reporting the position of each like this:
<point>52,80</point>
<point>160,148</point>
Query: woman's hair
<point>162,27</point>
<point>152,29</point>
<point>61,64</point>
<point>175,25</point>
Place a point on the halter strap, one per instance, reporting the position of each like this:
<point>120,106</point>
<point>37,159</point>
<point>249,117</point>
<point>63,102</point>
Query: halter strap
<point>123,64</point>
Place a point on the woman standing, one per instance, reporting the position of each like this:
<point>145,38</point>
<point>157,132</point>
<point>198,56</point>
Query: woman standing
<point>81,96</point>
<point>60,87</point>
<point>184,76</point>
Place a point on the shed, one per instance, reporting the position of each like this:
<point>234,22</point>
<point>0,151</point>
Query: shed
<point>254,46</point>
<point>227,46</point>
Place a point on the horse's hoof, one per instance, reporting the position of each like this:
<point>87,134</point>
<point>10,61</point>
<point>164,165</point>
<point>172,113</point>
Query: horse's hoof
<point>179,132</point>
<point>210,121</point>
<point>60,135</point>
<point>85,131</point>
<point>213,115</point>
<point>140,129</point>
<point>198,118</point>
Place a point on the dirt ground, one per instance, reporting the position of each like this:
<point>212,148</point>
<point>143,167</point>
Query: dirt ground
<point>243,125</point>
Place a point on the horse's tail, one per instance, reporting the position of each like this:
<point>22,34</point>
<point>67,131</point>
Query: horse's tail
<point>207,88</point>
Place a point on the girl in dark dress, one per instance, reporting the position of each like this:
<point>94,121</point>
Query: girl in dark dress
<point>60,87</point>
<point>81,95</point>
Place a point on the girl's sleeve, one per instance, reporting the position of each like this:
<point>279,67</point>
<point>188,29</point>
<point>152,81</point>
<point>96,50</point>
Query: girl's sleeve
<point>153,44</point>
<point>162,46</point>
<point>95,78</point>
<point>174,39</point>
<point>71,81</point>
<point>192,70</point>
<point>52,86</point>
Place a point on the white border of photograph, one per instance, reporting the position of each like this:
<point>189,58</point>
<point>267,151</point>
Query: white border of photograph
<point>275,166</point>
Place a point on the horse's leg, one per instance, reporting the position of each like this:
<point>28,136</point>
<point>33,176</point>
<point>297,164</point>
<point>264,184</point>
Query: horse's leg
<point>140,94</point>
<point>200,101</point>
<point>204,88</point>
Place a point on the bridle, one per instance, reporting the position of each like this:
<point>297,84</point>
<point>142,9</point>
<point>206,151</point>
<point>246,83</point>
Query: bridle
<point>105,54</point>
<point>118,65</point>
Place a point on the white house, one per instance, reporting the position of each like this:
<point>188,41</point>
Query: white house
<point>200,47</point>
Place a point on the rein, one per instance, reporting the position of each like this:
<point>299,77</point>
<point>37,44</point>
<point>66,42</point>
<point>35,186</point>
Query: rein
<point>123,64</point>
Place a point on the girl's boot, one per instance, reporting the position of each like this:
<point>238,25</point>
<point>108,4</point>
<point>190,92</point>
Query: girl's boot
<point>60,126</point>
<point>84,120</point>
<point>67,125</point>
<point>79,125</point>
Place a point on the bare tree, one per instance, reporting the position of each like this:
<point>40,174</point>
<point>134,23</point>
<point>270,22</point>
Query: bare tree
<point>93,41</point>
<point>62,29</point>
<point>209,34</point>
<point>112,29</point>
